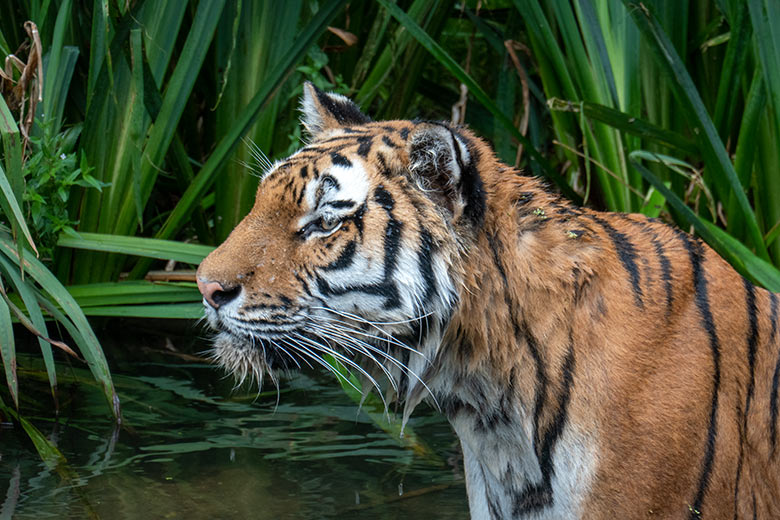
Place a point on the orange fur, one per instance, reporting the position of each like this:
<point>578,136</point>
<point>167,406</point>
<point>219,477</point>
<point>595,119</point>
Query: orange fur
<point>630,337</point>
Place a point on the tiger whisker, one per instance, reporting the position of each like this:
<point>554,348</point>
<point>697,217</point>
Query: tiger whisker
<point>319,346</point>
<point>317,359</point>
<point>364,349</point>
<point>393,360</point>
<point>257,152</point>
<point>387,338</point>
<point>369,322</point>
<point>344,332</point>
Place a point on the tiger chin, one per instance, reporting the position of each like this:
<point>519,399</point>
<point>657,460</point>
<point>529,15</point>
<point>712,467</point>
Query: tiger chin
<point>593,365</point>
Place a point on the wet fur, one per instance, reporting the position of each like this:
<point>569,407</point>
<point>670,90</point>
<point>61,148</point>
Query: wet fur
<point>593,365</point>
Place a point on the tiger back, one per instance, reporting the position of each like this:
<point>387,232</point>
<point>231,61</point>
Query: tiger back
<point>593,365</point>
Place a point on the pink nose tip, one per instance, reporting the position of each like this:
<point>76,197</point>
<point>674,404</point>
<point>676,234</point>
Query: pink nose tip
<point>208,290</point>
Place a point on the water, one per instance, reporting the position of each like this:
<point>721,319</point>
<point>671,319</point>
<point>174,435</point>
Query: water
<point>193,448</point>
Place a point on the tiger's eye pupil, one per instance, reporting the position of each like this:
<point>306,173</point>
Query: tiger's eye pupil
<point>328,223</point>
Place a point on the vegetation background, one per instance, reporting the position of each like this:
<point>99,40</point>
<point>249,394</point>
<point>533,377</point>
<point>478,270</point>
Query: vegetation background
<point>134,131</point>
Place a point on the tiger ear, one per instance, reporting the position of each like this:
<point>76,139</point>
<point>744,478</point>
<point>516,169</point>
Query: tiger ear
<point>322,111</point>
<point>444,165</point>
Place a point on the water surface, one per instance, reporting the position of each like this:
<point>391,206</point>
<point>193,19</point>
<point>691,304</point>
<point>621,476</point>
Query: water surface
<point>193,448</point>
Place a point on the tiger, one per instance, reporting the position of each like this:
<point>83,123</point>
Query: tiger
<point>592,364</point>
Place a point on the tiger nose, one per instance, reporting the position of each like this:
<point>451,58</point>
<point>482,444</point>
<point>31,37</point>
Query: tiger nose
<point>215,294</point>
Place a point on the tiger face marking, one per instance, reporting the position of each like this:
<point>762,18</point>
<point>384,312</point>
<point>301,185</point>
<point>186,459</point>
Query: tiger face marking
<point>592,364</point>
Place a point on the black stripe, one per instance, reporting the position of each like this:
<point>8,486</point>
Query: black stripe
<point>340,160</point>
<point>357,219</point>
<point>522,333</point>
<point>316,150</point>
<point>666,273</point>
<point>541,384</point>
<point>304,284</point>
<point>384,198</point>
<point>262,307</point>
<point>365,145</point>
<point>539,495</point>
<point>627,254</point>
<point>425,262</point>
<point>404,133</point>
<point>340,204</point>
<point>385,170</point>
<point>708,324</point>
<point>392,244</point>
<point>776,377</point>
<point>351,136</point>
<point>388,142</point>
<point>739,470</point>
<point>494,246</point>
<point>752,343</point>
<point>750,303</point>
<point>470,184</point>
<point>754,506</point>
<point>304,172</point>
<point>345,258</point>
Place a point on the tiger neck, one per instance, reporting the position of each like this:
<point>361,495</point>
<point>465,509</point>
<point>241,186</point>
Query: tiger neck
<point>494,380</point>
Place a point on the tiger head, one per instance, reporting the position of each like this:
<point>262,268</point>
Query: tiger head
<point>351,249</point>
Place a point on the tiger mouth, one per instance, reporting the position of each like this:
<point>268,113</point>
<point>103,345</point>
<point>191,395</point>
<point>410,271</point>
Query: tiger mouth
<point>253,356</point>
<point>322,338</point>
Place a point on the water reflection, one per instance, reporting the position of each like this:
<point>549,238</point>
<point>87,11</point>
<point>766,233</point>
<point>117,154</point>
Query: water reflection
<point>191,449</point>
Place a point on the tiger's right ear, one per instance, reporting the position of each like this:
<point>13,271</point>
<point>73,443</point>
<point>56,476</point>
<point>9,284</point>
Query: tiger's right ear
<point>322,111</point>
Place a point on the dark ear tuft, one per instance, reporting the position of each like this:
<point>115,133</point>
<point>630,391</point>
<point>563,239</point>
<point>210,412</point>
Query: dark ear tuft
<point>443,163</point>
<point>323,111</point>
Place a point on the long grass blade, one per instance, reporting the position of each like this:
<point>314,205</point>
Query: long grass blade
<point>89,347</point>
<point>8,351</point>
<point>206,176</point>
<point>138,246</point>
<point>48,452</point>
<point>713,152</point>
<point>9,133</point>
<point>25,291</point>
<point>186,311</point>
<point>134,292</point>
<point>627,123</point>
<point>174,100</point>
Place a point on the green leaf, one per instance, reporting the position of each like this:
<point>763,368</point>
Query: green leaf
<point>25,291</point>
<point>8,351</point>
<point>207,175</point>
<point>187,311</point>
<point>133,292</point>
<point>714,153</point>
<point>48,452</point>
<point>626,123</point>
<point>11,207</point>
<point>89,345</point>
<point>174,100</point>
<point>138,246</point>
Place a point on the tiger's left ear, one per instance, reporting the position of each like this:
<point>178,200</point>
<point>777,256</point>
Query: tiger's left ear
<point>445,166</point>
<point>322,111</point>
